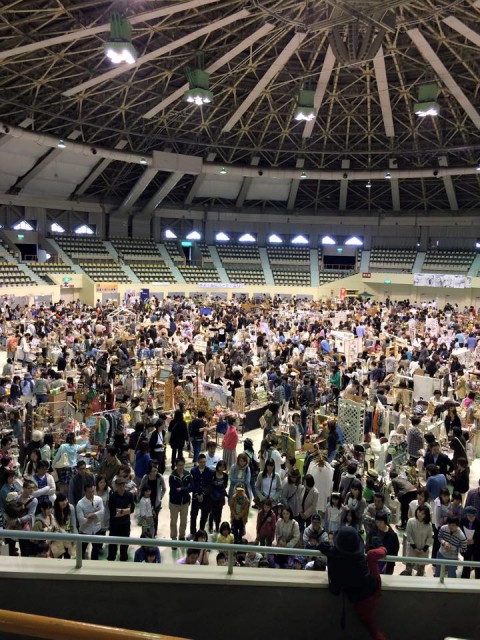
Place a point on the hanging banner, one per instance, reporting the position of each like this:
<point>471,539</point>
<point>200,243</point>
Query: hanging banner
<point>446,281</point>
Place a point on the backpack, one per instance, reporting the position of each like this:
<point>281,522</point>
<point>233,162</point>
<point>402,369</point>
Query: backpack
<point>27,387</point>
<point>253,465</point>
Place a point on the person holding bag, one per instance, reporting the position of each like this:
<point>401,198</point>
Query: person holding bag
<point>65,460</point>
<point>268,484</point>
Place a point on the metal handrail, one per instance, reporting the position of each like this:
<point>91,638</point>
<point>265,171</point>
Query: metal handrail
<point>230,549</point>
<point>26,624</point>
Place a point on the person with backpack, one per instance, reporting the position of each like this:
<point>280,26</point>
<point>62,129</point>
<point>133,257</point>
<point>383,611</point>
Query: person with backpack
<point>357,576</point>
<point>253,463</point>
<point>26,387</point>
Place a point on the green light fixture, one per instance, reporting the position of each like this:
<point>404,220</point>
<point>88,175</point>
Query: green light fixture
<point>305,110</point>
<point>427,104</point>
<point>198,92</point>
<point>119,48</point>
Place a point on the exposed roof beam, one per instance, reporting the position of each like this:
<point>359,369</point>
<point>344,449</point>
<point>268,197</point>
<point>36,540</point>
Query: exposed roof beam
<point>462,28</point>
<point>242,194</point>
<point>342,201</point>
<point>292,196</point>
<point>60,204</point>
<point>448,184</point>
<point>47,159</point>
<point>156,200</point>
<point>442,72</point>
<point>153,55</point>
<point>96,172</point>
<point>23,124</point>
<point>138,188</point>
<point>178,94</point>
<point>323,80</point>
<point>103,28</point>
<point>392,163</point>
<point>198,182</point>
<point>262,84</point>
<point>384,95</point>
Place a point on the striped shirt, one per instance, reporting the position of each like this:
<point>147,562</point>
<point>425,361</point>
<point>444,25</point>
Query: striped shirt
<point>456,540</point>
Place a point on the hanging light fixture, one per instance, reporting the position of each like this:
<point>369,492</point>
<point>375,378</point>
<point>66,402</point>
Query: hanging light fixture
<point>303,175</point>
<point>368,185</point>
<point>388,176</point>
<point>198,92</point>
<point>61,144</point>
<point>223,171</point>
<point>119,48</point>
<point>427,104</point>
<point>305,110</point>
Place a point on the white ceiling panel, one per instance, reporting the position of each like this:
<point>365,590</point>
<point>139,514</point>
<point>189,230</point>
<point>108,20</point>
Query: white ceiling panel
<point>220,187</point>
<point>60,177</point>
<point>265,189</point>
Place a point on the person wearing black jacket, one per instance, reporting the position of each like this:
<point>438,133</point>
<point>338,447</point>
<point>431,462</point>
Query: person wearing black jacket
<point>121,505</point>
<point>178,435</point>
<point>470,522</point>
<point>383,536</point>
<point>180,483</point>
<point>156,443</point>
<point>350,572</point>
<point>202,479</point>
<point>441,460</point>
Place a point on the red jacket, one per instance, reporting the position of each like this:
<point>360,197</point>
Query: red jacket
<point>266,523</point>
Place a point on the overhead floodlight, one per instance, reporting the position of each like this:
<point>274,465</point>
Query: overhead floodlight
<point>478,167</point>
<point>56,228</point>
<point>305,110</point>
<point>223,171</point>
<point>84,230</point>
<point>247,237</point>
<point>328,240</point>
<point>119,48</point>
<point>143,161</point>
<point>274,239</point>
<point>23,226</point>
<point>198,92</point>
<point>194,235</point>
<point>388,176</point>
<point>353,242</point>
<point>300,240</point>
<point>477,244</point>
<point>170,235</point>
<point>222,237</point>
<point>303,175</point>
<point>427,104</point>
<point>368,185</point>
<point>61,144</point>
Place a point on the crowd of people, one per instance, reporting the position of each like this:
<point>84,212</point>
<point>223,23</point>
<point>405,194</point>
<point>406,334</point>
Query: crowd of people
<point>229,489</point>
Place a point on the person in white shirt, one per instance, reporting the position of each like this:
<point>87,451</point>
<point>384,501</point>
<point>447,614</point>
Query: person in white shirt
<point>90,519</point>
<point>212,457</point>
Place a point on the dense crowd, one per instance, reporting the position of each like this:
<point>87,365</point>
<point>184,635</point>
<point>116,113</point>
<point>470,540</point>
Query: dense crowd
<point>212,484</point>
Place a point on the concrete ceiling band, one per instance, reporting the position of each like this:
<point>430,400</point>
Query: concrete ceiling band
<point>245,44</point>
<point>157,53</point>
<point>157,199</point>
<point>104,28</point>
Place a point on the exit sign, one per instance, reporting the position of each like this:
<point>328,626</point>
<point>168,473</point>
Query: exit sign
<point>185,243</point>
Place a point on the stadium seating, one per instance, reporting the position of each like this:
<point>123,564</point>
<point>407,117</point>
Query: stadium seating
<point>11,276</point>
<point>193,274</point>
<point>82,246</point>
<point>245,276</point>
<point>238,254</point>
<point>392,259</point>
<point>104,271</point>
<point>291,277</point>
<point>133,248</point>
<point>42,269</point>
<point>453,260</point>
<point>288,255</point>
<point>151,271</point>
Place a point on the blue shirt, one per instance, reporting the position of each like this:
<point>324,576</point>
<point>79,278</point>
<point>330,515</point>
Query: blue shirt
<point>435,484</point>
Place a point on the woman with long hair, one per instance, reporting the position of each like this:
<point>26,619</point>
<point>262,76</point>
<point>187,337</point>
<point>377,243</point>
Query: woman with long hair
<point>268,484</point>
<point>218,493</point>
<point>239,475</point>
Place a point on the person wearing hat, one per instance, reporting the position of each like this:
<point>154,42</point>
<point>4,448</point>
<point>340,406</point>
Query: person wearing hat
<point>371,486</point>
<point>121,505</point>
<point>239,507</point>
<point>471,528</point>
<point>356,575</point>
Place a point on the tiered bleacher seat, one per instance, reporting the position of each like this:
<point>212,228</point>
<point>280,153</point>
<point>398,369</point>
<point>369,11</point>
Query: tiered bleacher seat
<point>205,253</point>
<point>12,276</point>
<point>288,255</point>
<point>290,277</point>
<point>328,275</point>
<point>130,249</point>
<point>104,271</point>
<point>174,251</point>
<point>453,260</point>
<point>193,274</point>
<point>246,276</point>
<point>238,254</point>
<point>152,271</point>
<point>392,259</point>
<point>42,269</point>
<point>82,246</point>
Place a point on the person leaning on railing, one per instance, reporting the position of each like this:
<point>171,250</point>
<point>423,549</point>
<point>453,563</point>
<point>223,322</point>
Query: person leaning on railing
<point>452,542</point>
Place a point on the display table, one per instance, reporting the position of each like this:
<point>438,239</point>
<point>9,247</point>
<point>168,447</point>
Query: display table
<point>252,418</point>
